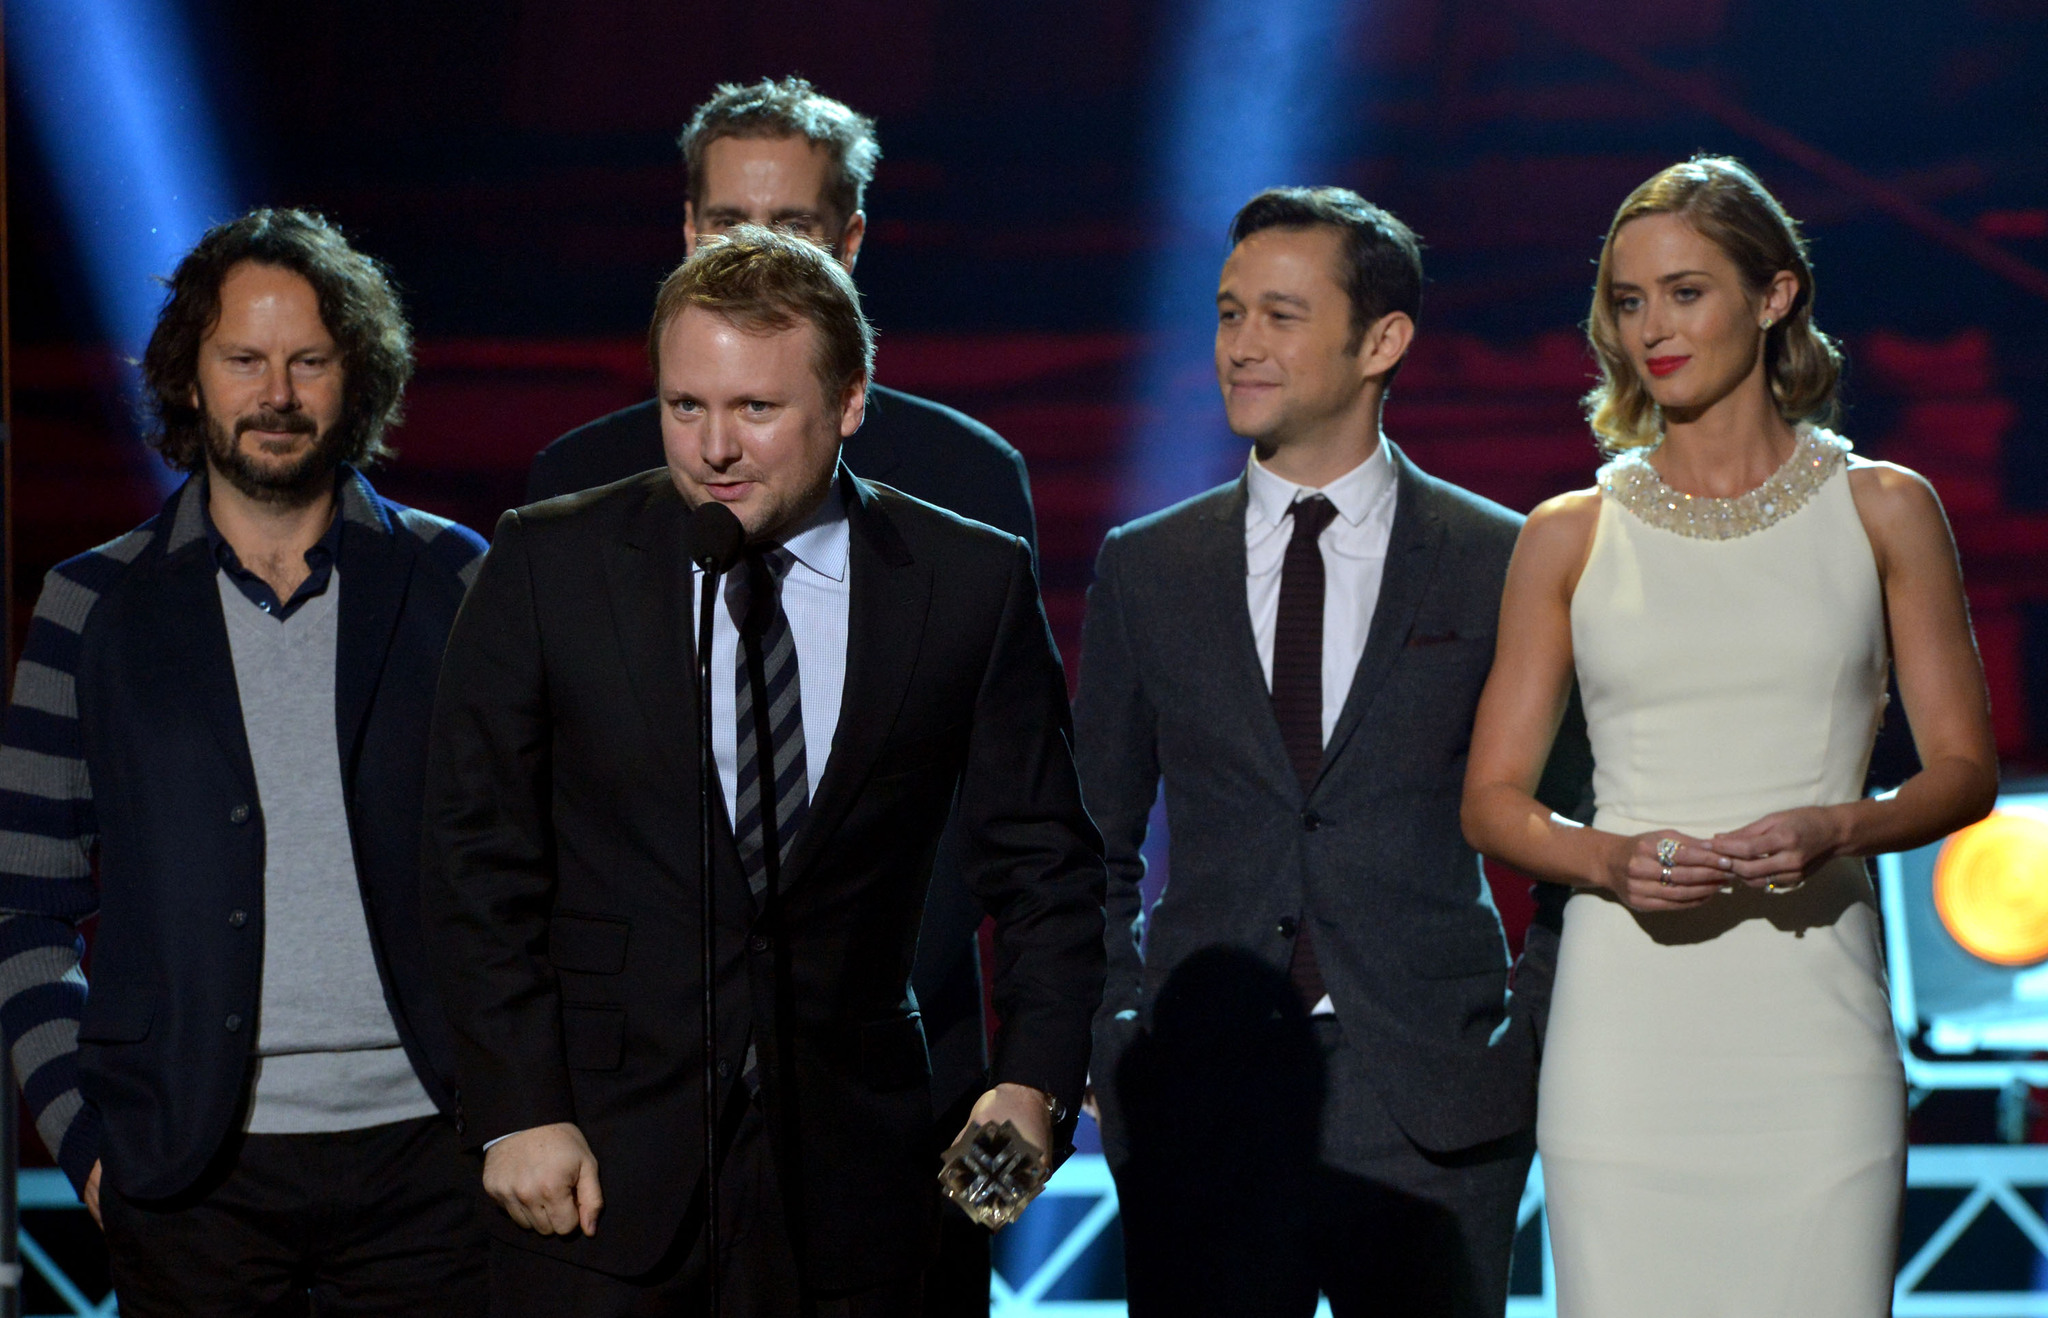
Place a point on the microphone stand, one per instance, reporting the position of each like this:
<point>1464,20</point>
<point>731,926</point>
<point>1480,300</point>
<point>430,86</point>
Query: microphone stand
<point>707,779</point>
<point>717,537</point>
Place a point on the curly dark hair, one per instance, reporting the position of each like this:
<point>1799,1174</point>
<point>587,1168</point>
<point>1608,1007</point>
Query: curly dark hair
<point>358,305</point>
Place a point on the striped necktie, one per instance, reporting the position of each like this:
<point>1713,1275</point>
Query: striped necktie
<point>766,822</point>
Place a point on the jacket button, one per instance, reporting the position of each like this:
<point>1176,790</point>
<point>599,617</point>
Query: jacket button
<point>1310,821</point>
<point>724,1070</point>
<point>757,944</point>
<point>239,815</point>
<point>1287,926</point>
<point>236,919</point>
<point>234,1023</point>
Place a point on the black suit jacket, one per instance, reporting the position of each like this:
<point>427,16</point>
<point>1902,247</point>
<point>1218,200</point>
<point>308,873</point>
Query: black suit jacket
<point>170,1021</point>
<point>944,457</point>
<point>1372,857</point>
<point>564,891</point>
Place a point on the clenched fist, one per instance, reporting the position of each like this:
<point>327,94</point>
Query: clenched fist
<point>545,1179</point>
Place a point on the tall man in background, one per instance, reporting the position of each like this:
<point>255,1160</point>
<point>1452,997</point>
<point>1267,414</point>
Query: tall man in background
<point>1311,1078</point>
<point>778,154</point>
<point>227,708</point>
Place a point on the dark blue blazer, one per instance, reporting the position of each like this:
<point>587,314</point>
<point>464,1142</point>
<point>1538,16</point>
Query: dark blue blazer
<point>171,1014</point>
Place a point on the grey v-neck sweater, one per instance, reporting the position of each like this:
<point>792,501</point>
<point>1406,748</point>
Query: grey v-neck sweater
<point>329,1057</point>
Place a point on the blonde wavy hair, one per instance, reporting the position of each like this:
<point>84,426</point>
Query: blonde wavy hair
<point>1730,208</point>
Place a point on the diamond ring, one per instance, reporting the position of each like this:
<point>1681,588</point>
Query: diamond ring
<point>1667,851</point>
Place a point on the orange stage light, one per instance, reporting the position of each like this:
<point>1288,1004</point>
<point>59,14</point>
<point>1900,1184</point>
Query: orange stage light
<point>1991,888</point>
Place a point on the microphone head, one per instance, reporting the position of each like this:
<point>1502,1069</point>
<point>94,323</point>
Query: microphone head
<point>716,536</point>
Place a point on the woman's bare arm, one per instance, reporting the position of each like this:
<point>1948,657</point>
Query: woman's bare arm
<point>1518,716</point>
<point>1940,679</point>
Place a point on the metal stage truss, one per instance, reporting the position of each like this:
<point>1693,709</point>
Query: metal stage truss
<point>1994,1182</point>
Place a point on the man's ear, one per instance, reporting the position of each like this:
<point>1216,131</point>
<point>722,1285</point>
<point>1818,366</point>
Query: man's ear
<point>1386,343</point>
<point>689,229</point>
<point>850,239</point>
<point>853,407</point>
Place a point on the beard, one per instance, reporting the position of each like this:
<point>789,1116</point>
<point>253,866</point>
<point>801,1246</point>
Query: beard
<point>288,483</point>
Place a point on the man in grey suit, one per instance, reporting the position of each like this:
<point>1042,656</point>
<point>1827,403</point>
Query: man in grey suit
<point>1310,1072</point>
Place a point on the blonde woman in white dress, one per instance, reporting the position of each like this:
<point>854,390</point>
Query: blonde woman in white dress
<point>1722,1112</point>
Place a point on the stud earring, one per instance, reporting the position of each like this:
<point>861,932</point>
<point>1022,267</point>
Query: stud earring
<point>1768,322</point>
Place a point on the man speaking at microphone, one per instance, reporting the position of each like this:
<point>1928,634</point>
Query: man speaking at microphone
<point>907,670</point>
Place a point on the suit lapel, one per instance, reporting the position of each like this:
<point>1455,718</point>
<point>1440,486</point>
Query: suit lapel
<point>1225,644</point>
<point>891,596</point>
<point>375,568</point>
<point>192,631</point>
<point>1411,563</point>
<point>649,580</point>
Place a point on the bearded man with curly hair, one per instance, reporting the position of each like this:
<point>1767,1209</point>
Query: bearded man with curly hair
<point>216,746</point>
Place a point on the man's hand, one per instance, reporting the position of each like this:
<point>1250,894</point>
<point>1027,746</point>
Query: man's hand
<point>92,1195</point>
<point>545,1179</point>
<point>1022,1106</point>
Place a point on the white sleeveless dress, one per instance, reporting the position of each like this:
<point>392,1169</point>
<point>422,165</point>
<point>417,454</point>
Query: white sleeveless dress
<point>1722,1111</point>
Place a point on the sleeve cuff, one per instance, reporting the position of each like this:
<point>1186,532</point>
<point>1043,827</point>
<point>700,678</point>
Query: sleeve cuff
<point>81,1148</point>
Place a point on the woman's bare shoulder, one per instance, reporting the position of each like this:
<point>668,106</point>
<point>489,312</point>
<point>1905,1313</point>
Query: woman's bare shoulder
<point>1901,514</point>
<point>1556,541</point>
<point>1892,495</point>
<point>1566,518</point>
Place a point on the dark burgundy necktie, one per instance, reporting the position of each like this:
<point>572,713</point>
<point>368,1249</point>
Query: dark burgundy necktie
<point>1298,686</point>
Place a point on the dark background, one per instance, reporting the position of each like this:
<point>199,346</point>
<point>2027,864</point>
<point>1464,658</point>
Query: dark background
<point>514,163</point>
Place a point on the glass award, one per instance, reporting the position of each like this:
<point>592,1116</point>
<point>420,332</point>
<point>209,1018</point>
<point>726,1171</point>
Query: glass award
<point>993,1173</point>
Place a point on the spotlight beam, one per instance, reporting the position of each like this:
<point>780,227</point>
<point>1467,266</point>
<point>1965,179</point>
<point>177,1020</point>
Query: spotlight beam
<point>1248,89</point>
<point>114,97</point>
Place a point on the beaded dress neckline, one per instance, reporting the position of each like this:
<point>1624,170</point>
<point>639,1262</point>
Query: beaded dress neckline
<point>1633,483</point>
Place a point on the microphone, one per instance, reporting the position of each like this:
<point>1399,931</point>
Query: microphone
<point>718,536</point>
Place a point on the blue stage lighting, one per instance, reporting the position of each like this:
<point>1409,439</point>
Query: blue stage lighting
<point>114,97</point>
<point>1250,89</point>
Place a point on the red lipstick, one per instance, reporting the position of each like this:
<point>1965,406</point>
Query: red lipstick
<point>1663,366</point>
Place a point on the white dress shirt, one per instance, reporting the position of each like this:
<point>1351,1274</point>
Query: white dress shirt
<point>816,598</point>
<point>1354,547</point>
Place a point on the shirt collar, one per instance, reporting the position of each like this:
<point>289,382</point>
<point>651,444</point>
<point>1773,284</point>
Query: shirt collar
<point>321,557</point>
<point>323,552</point>
<point>821,541</point>
<point>1355,493</point>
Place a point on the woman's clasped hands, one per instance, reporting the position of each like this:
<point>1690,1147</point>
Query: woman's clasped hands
<point>1667,870</point>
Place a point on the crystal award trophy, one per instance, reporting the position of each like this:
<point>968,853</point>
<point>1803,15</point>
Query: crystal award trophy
<point>992,1173</point>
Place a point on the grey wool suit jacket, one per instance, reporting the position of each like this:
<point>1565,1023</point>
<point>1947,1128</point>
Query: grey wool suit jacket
<point>1372,858</point>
